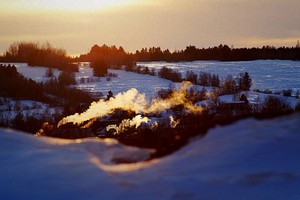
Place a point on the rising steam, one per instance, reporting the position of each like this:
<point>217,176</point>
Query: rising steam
<point>133,101</point>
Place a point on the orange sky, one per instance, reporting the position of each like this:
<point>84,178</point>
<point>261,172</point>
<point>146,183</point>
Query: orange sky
<point>76,25</point>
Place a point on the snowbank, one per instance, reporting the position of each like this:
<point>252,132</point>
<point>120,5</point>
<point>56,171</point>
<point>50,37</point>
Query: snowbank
<point>250,159</point>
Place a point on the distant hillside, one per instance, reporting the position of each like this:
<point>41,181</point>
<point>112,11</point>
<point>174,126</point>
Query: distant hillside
<point>118,56</point>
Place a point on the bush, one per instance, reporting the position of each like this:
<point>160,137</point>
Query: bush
<point>229,86</point>
<point>191,76</point>
<point>287,92</point>
<point>204,78</point>
<point>49,72</point>
<point>40,55</point>
<point>273,105</point>
<point>66,78</point>
<point>99,67</point>
<point>170,74</point>
<point>207,79</point>
<point>244,81</point>
<point>164,93</point>
<point>297,108</point>
<point>195,95</point>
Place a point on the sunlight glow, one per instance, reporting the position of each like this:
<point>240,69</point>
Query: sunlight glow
<point>75,5</point>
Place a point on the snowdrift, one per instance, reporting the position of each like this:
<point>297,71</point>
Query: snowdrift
<point>249,159</point>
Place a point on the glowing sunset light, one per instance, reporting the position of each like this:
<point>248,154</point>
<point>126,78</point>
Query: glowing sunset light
<point>70,5</point>
<point>83,4</point>
<point>76,25</point>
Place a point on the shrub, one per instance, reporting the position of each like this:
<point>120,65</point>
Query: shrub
<point>191,76</point>
<point>273,105</point>
<point>49,72</point>
<point>195,95</point>
<point>170,74</point>
<point>204,79</point>
<point>229,86</point>
<point>287,92</point>
<point>297,95</point>
<point>215,81</point>
<point>244,81</point>
<point>99,67</point>
<point>164,93</point>
<point>66,78</point>
<point>297,108</point>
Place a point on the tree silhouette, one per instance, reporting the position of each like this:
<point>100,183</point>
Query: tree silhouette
<point>244,81</point>
<point>99,67</point>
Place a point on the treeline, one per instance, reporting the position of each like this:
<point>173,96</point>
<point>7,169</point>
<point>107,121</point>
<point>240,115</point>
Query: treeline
<point>117,56</point>
<point>55,91</point>
<point>221,53</point>
<point>107,56</point>
<point>39,55</point>
<point>229,85</point>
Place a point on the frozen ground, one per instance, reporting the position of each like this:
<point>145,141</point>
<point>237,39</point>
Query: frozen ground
<point>275,75</point>
<point>85,80</point>
<point>124,81</point>
<point>35,73</point>
<point>9,108</point>
<point>258,98</point>
<point>249,159</point>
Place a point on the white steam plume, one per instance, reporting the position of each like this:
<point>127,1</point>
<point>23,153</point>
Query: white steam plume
<point>132,100</point>
<point>128,123</point>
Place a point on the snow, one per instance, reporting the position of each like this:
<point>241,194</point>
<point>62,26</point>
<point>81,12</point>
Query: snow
<point>275,75</point>
<point>124,81</point>
<point>9,108</point>
<point>258,98</point>
<point>249,159</point>
<point>36,73</point>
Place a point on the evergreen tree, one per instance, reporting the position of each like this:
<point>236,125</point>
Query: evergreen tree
<point>99,67</point>
<point>244,81</point>
<point>215,81</point>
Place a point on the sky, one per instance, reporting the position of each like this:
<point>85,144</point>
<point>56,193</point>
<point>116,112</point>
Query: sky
<point>76,25</point>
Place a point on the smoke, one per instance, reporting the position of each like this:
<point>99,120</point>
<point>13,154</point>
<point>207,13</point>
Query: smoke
<point>133,101</point>
<point>127,124</point>
<point>176,98</point>
<point>143,123</point>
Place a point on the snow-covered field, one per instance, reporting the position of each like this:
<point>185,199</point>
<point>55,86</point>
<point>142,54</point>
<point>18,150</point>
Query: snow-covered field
<point>258,98</point>
<point>9,108</point>
<point>249,159</point>
<point>85,80</point>
<point>275,75</point>
<point>124,81</point>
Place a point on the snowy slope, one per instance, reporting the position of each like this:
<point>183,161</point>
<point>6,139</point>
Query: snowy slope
<point>9,108</point>
<point>36,73</point>
<point>259,98</point>
<point>123,82</point>
<point>85,80</point>
<point>275,75</point>
<point>249,159</point>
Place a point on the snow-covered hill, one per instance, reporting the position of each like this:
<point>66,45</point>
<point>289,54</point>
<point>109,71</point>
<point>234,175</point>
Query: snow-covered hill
<point>274,75</point>
<point>249,159</point>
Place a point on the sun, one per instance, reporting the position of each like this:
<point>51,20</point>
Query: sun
<point>79,4</point>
